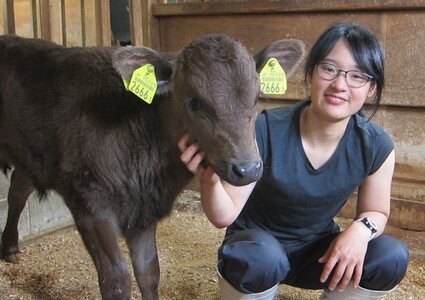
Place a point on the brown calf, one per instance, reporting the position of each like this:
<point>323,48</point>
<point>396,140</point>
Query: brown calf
<point>68,124</point>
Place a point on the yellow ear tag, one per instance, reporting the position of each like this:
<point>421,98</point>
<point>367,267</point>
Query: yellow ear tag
<point>126,83</point>
<point>143,83</point>
<point>273,78</point>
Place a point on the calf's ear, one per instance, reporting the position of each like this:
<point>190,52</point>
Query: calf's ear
<point>128,59</point>
<point>288,52</point>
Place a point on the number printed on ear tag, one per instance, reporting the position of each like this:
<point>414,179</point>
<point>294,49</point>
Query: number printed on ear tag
<point>273,78</point>
<point>143,83</point>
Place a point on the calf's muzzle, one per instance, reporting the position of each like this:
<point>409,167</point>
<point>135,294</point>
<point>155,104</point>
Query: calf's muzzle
<point>239,173</point>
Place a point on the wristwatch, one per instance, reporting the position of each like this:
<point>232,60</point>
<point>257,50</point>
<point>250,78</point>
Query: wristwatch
<point>369,224</point>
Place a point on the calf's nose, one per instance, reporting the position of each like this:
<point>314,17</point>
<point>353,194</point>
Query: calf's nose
<point>240,173</point>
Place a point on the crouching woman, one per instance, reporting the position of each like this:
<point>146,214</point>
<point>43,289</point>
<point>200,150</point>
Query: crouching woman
<point>316,153</point>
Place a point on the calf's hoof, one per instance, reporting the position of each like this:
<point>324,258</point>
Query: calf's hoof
<point>11,256</point>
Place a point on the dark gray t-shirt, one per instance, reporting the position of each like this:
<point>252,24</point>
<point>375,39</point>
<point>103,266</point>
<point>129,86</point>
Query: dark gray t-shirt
<point>294,201</point>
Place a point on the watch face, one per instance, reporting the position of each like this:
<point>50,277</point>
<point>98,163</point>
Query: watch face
<point>370,224</point>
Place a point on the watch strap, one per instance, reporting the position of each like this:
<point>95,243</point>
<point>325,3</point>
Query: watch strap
<point>368,222</point>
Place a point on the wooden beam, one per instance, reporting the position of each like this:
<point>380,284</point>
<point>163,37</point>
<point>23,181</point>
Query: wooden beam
<point>88,22</point>
<point>83,23</point>
<point>136,22</point>
<point>9,17</point>
<point>63,21</point>
<point>281,6</point>
<point>103,23</point>
<point>45,20</point>
<point>150,25</point>
<point>35,13</point>
<point>51,20</point>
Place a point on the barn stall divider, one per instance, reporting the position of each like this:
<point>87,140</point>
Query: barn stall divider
<point>169,26</point>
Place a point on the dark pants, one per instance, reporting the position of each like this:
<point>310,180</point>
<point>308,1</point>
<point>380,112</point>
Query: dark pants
<point>252,261</point>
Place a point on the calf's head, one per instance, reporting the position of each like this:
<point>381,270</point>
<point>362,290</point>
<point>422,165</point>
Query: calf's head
<point>214,86</point>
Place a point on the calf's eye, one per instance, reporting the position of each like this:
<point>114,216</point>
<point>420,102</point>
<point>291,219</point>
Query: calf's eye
<point>193,103</point>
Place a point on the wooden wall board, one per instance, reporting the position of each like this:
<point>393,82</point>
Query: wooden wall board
<point>169,27</point>
<point>397,24</point>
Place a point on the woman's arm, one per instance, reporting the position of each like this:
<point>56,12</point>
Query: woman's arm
<point>375,195</point>
<point>347,252</point>
<point>221,201</point>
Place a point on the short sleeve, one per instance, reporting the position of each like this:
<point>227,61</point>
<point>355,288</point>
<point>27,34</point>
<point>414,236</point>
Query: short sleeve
<point>376,143</point>
<point>382,146</point>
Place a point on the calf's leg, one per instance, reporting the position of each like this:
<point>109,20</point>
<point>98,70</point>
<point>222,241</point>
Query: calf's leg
<point>100,235</point>
<point>20,189</point>
<point>144,257</point>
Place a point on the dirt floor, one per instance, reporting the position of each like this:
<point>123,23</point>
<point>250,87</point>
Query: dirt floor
<point>58,266</point>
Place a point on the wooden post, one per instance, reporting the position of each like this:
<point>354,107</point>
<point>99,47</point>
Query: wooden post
<point>45,20</point>
<point>51,20</point>
<point>9,17</point>
<point>83,23</point>
<point>136,30</point>
<point>73,21</point>
<point>150,25</point>
<point>35,13</point>
<point>87,22</point>
<point>103,23</point>
<point>63,21</point>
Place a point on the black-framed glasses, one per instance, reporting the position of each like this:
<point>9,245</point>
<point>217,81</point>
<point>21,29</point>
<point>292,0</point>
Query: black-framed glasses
<point>355,79</point>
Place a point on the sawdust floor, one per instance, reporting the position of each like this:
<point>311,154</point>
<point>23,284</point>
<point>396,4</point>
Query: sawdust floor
<point>58,267</point>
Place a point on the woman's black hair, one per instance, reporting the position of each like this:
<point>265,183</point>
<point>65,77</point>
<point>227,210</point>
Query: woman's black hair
<point>366,49</point>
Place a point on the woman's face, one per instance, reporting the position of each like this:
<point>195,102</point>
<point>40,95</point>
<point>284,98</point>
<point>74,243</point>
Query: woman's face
<point>333,99</point>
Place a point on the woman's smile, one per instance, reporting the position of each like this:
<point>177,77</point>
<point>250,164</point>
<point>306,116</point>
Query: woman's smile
<point>335,99</point>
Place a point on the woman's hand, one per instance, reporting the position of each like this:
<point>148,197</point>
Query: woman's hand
<point>192,156</point>
<point>347,252</point>
<point>346,255</point>
<point>220,201</point>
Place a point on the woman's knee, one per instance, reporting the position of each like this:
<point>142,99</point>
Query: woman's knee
<point>385,263</point>
<point>252,261</point>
